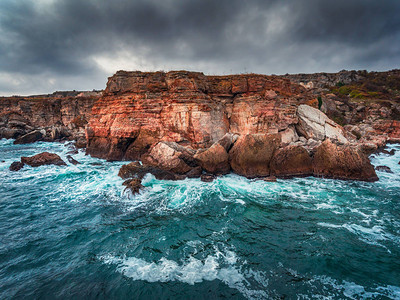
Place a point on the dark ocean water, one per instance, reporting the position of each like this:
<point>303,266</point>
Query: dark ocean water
<point>74,233</point>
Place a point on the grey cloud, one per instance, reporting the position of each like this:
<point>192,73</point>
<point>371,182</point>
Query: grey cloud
<point>61,38</point>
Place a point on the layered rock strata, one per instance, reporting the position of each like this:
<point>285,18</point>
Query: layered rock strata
<point>139,109</point>
<point>62,115</point>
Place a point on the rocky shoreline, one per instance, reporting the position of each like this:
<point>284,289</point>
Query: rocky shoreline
<point>186,124</point>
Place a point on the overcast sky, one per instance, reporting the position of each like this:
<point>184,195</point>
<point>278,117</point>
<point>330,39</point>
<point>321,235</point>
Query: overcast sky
<point>49,45</point>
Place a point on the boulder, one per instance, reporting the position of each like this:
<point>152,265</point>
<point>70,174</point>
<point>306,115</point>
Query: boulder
<point>214,160</point>
<point>134,185</point>
<point>16,166</point>
<point>250,156</point>
<point>31,137</point>
<point>289,135</point>
<point>342,162</point>
<point>291,161</point>
<point>170,157</point>
<point>44,158</point>
<point>313,123</point>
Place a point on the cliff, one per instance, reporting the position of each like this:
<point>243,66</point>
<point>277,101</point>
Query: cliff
<point>61,115</point>
<point>139,109</point>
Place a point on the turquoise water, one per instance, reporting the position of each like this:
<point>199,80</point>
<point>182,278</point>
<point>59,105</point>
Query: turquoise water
<point>73,232</point>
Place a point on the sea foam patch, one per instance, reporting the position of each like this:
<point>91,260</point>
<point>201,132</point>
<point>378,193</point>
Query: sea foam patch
<point>219,266</point>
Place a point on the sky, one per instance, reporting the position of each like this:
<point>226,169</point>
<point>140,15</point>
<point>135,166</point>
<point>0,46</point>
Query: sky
<point>52,45</point>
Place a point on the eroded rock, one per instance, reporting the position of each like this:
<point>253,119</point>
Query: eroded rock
<point>214,160</point>
<point>342,162</point>
<point>291,161</point>
<point>252,153</point>
<point>313,123</point>
<point>31,137</point>
<point>44,158</point>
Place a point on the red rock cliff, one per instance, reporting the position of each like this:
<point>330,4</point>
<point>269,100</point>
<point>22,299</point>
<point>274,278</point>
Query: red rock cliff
<point>138,109</point>
<point>59,115</point>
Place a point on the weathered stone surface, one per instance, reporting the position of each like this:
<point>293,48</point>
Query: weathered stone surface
<point>313,123</point>
<point>16,166</point>
<point>342,162</point>
<point>214,160</point>
<point>31,137</point>
<point>60,115</point>
<point>291,161</point>
<point>44,158</point>
<point>289,135</point>
<point>169,157</point>
<point>134,184</point>
<point>140,109</point>
<point>251,154</point>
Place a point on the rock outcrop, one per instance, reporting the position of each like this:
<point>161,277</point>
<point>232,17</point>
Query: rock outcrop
<point>62,115</point>
<point>44,158</point>
<point>342,162</point>
<point>137,110</point>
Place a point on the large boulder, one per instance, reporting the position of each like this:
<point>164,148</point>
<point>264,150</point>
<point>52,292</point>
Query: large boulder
<point>342,162</point>
<point>250,156</point>
<point>44,158</point>
<point>214,160</point>
<point>31,137</point>
<point>291,161</point>
<point>313,123</point>
<point>170,157</point>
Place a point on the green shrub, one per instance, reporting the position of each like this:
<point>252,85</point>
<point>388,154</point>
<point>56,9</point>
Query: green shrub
<point>319,102</point>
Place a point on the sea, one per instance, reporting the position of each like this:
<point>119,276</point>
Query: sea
<point>74,232</point>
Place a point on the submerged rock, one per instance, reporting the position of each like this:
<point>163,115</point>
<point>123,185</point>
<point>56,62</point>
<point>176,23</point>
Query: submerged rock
<point>44,158</point>
<point>291,161</point>
<point>134,185</point>
<point>250,156</point>
<point>342,162</point>
<point>384,169</point>
<point>270,179</point>
<point>73,160</point>
<point>16,166</point>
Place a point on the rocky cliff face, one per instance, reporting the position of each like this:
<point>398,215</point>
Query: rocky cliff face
<point>62,115</point>
<point>139,109</point>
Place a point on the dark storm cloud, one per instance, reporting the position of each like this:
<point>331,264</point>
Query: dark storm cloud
<point>75,44</point>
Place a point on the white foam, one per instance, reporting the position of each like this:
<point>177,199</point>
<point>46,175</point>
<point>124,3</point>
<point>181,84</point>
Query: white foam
<point>220,266</point>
